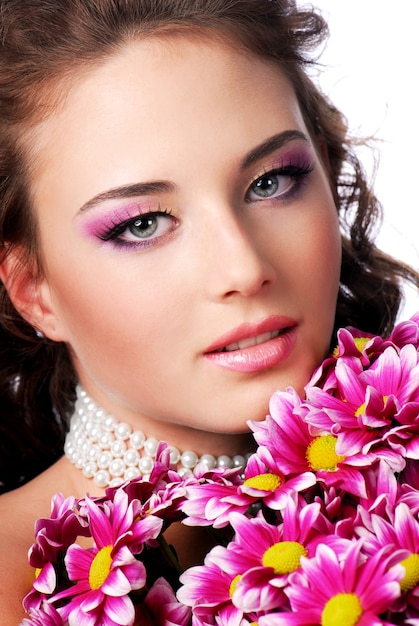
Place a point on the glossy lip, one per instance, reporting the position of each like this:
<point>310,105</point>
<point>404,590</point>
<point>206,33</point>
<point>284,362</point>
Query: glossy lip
<point>260,356</point>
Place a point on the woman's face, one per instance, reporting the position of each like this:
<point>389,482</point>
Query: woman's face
<point>188,233</point>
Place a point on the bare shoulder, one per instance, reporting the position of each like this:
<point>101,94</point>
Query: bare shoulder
<point>16,536</point>
<point>19,511</point>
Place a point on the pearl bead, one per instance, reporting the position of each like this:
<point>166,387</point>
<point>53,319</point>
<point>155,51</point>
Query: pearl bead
<point>224,461</point>
<point>239,461</point>
<point>90,469</point>
<point>131,457</point>
<point>117,467</point>
<point>208,460</point>
<point>116,482</point>
<point>150,446</point>
<point>118,448</point>
<point>146,464</point>
<point>104,460</point>
<point>102,478</point>
<point>122,430</point>
<point>184,472</point>
<point>109,422</point>
<point>189,459</point>
<point>174,455</point>
<point>131,473</point>
<point>137,439</point>
<point>105,440</point>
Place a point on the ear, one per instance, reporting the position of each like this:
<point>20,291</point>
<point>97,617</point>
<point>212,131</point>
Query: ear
<point>30,294</point>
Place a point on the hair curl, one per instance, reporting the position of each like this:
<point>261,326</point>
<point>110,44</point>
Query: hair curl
<point>45,43</point>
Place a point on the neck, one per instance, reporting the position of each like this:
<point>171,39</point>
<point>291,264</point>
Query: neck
<point>111,452</point>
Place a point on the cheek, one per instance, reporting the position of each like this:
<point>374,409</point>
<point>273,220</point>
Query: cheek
<point>317,265</point>
<point>111,306</point>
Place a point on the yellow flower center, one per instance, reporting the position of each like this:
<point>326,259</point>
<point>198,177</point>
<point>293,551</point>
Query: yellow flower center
<point>344,609</point>
<point>360,343</point>
<point>233,585</point>
<point>284,557</point>
<point>100,567</point>
<point>321,453</point>
<point>411,579</point>
<point>360,410</point>
<point>264,482</point>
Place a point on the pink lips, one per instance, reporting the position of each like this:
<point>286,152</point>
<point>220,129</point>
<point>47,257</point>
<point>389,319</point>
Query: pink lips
<point>255,347</point>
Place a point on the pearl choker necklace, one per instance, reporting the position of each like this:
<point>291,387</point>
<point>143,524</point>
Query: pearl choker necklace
<point>111,452</point>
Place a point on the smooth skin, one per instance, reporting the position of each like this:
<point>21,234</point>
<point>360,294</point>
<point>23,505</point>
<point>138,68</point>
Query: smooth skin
<point>238,231</point>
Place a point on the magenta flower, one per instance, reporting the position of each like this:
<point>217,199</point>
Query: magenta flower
<point>161,607</point>
<point>330,590</point>
<point>368,402</point>
<point>263,480</point>
<point>285,433</point>
<point>406,332</point>
<point>263,555</point>
<point>54,534</point>
<point>211,500</point>
<point>105,574</point>
<point>208,588</point>
<point>400,532</point>
<point>43,587</point>
<point>45,615</point>
<point>52,537</point>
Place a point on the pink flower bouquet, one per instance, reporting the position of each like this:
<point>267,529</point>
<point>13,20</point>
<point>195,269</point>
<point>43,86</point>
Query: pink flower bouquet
<point>322,528</point>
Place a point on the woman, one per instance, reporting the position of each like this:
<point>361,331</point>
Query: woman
<point>172,189</point>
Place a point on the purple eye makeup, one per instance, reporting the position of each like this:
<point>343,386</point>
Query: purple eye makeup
<point>132,225</point>
<point>284,178</point>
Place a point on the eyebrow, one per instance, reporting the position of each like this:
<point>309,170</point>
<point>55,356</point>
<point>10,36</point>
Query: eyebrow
<point>270,145</point>
<point>129,191</point>
<point>157,187</point>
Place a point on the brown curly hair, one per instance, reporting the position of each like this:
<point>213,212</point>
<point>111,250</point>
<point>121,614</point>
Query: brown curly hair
<point>45,43</point>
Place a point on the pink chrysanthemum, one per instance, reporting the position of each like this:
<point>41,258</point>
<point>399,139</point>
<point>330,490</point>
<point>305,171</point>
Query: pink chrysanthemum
<point>261,556</point>
<point>44,615</point>
<point>352,591</point>
<point>285,433</point>
<point>367,403</point>
<point>400,532</point>
<point>264,480</point>
<point>161,607</point>
<point>208,588</point>
<point>352,342</point>
<point>211,500</point>
<point>105,574</point>
<point>54,534</point>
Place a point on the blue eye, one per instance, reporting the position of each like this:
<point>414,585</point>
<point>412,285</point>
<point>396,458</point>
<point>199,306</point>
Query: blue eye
<point>148,227</point>
<point>143,227</point>
<point>278,183</point>
<point>268,186</point>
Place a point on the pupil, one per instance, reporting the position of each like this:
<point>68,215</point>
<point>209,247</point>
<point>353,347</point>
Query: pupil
<point>265,183</point>
<point>266,186</point>
<point>144,227</point>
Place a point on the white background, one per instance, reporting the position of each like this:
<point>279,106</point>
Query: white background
<point>370,71</point>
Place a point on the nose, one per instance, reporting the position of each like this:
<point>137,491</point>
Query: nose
<point>237,260</point>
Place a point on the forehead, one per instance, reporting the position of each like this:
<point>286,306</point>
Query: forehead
<point>155,96</point>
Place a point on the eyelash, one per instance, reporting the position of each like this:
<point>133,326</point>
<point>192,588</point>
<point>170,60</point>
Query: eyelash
<point>297,173</point>
<point>114,233</point>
